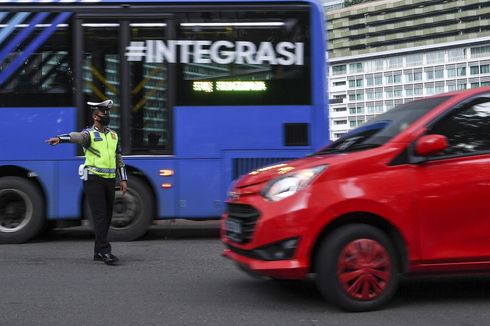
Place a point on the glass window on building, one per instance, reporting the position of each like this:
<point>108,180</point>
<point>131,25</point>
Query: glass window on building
<point>389,79</point>
<point>484,69</point>
<point>461,86</point>
<point>353,110</point>
<point>373,65</point>
<point>355,67</point>
<point>475,85</point>
<point>413,76</point>
<point>456,72</point>
<point>429,89</point>
<point>413,60</point>
<point>340,122</point>
<point>429,74</point>
<point>369,95</point>
<point>378,80</point>
<point>397,78</point>
<point>435,57</point>
<point>451,88</point>
<point>395,62</point>
<point>370,108</point>
<point>451,72</point>
<point>369,81</point>
<point>481,51</point>
<point>474,70</point>
<point>439,89</point>
<point>339,70</point>
<point>456,54</point>
<point>439,73</point>
<point>389,93</point>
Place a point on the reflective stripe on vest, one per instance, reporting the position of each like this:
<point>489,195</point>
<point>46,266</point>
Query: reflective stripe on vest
<point>100,157</point>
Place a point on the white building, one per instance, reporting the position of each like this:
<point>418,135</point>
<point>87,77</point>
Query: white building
<point>385,53</point>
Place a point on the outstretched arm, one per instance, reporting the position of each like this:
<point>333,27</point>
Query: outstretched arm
<point>81,138</point>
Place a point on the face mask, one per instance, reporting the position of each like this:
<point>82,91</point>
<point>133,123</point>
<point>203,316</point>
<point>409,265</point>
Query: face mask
<point>105,120</point>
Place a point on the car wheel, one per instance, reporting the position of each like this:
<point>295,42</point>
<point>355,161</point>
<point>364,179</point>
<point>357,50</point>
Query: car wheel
<point>21,210</point>
<point>356,268</point>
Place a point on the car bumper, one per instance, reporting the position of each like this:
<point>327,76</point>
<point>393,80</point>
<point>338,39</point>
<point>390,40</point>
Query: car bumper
<point>281,269</point>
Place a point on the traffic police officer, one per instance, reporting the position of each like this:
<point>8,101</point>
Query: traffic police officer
<point>103,160</point>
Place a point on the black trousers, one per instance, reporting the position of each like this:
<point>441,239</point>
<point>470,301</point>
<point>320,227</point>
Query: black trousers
<point>100,193</point>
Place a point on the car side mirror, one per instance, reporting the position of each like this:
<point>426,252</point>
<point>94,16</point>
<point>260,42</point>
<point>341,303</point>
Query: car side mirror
<point>430,144</point>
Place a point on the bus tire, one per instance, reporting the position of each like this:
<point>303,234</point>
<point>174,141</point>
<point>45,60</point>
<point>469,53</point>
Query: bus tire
<point>132,213</point>
<point>21,210</point>
<point>357,269</point>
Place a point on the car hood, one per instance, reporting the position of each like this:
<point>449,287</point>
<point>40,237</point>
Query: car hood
<point>279,169</point>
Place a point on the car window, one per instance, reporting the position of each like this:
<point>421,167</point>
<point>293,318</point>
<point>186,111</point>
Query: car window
<point>382,128</point>
<point>467,130</point>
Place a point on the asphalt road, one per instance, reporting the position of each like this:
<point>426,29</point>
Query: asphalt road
<point>176,276</point>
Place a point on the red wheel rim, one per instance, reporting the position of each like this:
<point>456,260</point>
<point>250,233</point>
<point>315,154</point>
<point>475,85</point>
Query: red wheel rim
<point>364,269</point>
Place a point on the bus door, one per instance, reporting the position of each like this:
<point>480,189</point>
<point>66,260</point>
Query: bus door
<point>115,62</point>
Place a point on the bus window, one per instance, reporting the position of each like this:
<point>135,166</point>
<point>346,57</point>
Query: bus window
<point>148,86</point>
<point>247,57</point>
<point>32,72</point>
<point>101,66</point>
<point>103,78</point>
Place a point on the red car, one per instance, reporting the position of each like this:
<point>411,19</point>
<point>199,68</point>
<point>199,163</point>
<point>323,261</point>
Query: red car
<point>407,192</point>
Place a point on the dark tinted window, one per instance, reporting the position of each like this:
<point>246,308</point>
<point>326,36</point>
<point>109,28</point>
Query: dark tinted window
<point>245,57</point>
<point>35,61</point>
<point>467,130</point>
<point>385,126</point>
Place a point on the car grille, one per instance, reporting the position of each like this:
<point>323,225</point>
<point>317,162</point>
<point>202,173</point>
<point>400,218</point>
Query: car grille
<point>246,216</point>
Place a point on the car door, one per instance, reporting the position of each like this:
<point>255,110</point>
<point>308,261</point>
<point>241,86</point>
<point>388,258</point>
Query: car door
<point>453,188</point>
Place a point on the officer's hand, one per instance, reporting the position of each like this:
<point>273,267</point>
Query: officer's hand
<point>123,186</point>
<point>53,141</point>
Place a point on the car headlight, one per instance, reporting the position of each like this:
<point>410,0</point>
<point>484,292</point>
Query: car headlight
<point>290,184</point>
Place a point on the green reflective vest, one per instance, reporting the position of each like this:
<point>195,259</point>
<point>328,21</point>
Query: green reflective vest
<point>100,157</point>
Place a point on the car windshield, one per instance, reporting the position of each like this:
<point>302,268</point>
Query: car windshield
<point>382,128</point>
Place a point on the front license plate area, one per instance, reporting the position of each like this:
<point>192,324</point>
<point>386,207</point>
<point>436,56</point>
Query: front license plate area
<point>233,230</point>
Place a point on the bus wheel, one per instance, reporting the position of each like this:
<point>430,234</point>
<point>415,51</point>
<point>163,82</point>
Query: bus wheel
<point>21,210</point>
<point>132,213</point>
<point>357,268</point>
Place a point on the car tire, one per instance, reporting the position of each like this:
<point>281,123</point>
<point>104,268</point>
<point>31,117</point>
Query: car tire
<point>357,268</point>
<point>21,210</point>
<point>132,213</point>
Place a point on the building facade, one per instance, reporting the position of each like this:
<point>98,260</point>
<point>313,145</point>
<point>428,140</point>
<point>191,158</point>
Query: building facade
<point>384,53</point>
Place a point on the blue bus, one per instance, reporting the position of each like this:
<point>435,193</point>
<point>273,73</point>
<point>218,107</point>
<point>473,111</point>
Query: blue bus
<point>203,92</point>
